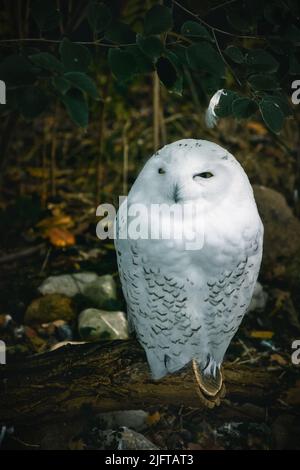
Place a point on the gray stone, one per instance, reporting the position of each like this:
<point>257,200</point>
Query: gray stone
<point>259,299</point>
<point>101,291</point>
<point>94,324</point>
<point>121,439</point>
<point>67,284</point>
<point>134,419</point>
<point>281,234</point>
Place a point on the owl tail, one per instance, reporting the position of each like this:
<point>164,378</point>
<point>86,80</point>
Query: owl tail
<point>210,387</point>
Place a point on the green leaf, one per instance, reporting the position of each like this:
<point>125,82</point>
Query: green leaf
<point>203,56</point>
<point>261,61</point>
<point>61,84</point>
<point>158,20</point>
<point>17,70</point>
<point>83,82</point>
<point>47,61</point>
<point>77,108</point>
<point>75,57</point>
<point>272,115</point>
<point>31,101</point>
<point>177,85</point>
<point>150,45</point>
<point>224,107</point>
<point>195,30</point>
<point>180,52</point>
<point>167,72</point>
<point>262,82</point>
<point>143,64</point>
<point>120,33</point>
<point>122,64</point>
<point>99,16</point>
<point>281,100</point>
<point>235,54</point>
<point>45,14</point>
<point>243,107</point>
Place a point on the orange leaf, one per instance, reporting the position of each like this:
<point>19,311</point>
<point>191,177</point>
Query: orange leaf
<point>279,359</point>
<point>60,237</point>
<point>256,127</point>
<point>153,418</point>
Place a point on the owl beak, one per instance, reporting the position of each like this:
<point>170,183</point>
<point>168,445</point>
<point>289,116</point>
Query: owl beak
<point>176,195</point>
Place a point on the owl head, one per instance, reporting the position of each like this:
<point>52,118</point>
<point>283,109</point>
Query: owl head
<point>192,170</point>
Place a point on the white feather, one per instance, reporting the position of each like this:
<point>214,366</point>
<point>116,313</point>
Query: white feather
<point>210,116</point>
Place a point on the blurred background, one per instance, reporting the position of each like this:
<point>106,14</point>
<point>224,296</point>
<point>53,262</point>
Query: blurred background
<point>92,90</point>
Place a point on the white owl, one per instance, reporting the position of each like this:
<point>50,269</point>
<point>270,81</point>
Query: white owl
<point>186,304</point>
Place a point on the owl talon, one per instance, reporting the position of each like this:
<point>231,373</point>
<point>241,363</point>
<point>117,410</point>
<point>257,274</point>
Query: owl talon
<point>209,397</point>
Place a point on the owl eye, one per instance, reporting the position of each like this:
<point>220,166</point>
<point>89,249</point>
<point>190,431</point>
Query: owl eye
<point>161,171</point>
<point>204,174</point>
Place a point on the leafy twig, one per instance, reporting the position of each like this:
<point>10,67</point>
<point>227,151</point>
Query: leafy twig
<point>179,36</point>
<point>213,28</point>
<point>57,41</point>
<point>224,60</point>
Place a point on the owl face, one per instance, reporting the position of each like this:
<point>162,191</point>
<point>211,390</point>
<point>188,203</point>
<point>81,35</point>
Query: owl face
<point>193,170</point>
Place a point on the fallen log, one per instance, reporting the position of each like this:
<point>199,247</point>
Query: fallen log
<point>114,375</point>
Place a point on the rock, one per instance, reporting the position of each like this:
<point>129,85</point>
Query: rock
<point>100,291</point>
<point>49,308</point>
<point>282,232</point>
<point>64,332</point>
<point>94,324</point>
<point>259,299</point>
<point>67,284</point>
<point>135,419</point>
<point>121,439</point>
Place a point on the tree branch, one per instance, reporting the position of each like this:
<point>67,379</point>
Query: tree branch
<point>114,375</point>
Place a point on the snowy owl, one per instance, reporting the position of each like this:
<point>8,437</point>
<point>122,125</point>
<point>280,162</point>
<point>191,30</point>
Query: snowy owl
<point>185,305</point>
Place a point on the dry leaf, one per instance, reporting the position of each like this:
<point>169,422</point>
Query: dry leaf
<point>262,334</point>
<point>256,127</point>
<point>60,237</point>
<point>279,359</point>
<point>153,418</point>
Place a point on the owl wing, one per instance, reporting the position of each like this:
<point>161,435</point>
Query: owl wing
<point>227,299</point>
